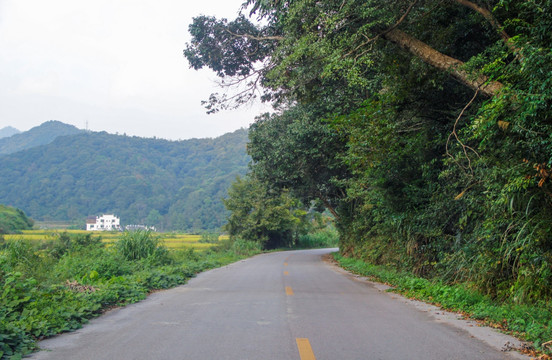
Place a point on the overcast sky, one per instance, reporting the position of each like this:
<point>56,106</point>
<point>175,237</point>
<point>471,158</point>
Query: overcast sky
<point>114,64</point>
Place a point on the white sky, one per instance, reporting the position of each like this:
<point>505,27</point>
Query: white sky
<point>116,64</point>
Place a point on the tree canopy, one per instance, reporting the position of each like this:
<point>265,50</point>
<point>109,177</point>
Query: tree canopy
<point>424,126</point>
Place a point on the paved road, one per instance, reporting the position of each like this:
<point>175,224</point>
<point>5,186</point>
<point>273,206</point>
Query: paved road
<point>286,305</point>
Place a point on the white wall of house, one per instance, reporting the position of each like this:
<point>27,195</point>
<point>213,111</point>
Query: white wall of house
<point>104,223</point>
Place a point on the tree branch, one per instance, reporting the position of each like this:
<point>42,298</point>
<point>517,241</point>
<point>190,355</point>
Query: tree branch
<point>443,62</point>
<point>369,40</point>
<point>401,19</point>
<point>329,207</point>
<point>454,133</point>
<point>493,21</point>
<point>258,38</point>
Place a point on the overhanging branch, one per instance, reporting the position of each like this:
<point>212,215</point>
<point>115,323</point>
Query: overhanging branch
<point>257,38</point>
<point>443,62</point>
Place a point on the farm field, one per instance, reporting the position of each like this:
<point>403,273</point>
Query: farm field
<point>171,240</point>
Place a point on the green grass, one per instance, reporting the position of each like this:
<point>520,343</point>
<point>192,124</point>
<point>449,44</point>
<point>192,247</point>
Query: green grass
<point>323,238</point>
<point>49,287</point>
<point>531,322</point>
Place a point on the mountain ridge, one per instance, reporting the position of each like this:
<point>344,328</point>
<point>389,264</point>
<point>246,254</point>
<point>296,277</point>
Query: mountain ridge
<point>8,131</point>
<point>174,185</point>
<point>43,134</point>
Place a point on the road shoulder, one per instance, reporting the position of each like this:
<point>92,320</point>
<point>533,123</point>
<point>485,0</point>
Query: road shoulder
<point>492,337</point>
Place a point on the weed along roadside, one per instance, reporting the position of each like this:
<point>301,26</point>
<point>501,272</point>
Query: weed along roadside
<point>54,286</point>
<point>528,322</point>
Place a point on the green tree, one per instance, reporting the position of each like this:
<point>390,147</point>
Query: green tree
<point>260,215</point>
<point>295,150</point>
<point>425,125</point>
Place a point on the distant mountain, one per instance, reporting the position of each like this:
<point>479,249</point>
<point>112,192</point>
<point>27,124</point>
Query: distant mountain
<point>8,131</point>
<point>39,135</point>
<point>175,185</point>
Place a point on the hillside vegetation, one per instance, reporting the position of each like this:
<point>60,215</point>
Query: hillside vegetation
<point>174,185</point>
<point>12,220</point>
<point>424,127</point>
<point>40,135</point>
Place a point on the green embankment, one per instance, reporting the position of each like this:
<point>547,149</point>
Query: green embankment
<point>12,219</point>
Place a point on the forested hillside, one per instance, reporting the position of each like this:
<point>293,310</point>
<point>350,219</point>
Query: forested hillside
<point>12,220</point>
<point>39,135</point>
<point>425,127</point>
<point>170,184</point>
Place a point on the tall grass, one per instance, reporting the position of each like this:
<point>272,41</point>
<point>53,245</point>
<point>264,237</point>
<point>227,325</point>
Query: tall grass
<point>49,287</point>
<point>327,237</point>
<point>140,244</point>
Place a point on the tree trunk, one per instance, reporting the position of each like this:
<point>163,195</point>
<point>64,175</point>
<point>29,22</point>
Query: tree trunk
<point>329,207</point>
<point>443,62</point>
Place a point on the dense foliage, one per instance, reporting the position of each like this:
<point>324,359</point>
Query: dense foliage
<point>13,220</point>
<point>176,185</point>
<point>425,127</point>
<point>51,287</point>
<point>40,135</point>
<point>257,215</point>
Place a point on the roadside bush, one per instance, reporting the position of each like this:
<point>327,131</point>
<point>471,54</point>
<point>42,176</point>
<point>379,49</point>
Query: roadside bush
<point>104,263</point>
<point>246,248</point>
<point>51,287</point>
<point>15,294</point>
<point>24,257</point>
<point>323,238</point>
<point>141,244</point>
<point>64,243</point>
<point>209,237</point>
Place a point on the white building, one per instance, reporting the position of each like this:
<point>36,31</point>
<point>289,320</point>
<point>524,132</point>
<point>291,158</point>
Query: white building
<point>103,223</point>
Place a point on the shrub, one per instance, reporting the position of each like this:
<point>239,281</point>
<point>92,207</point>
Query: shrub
<point>141,244</point>
<point>209,237</point>
<point>79,265</point>
<point>244,247</point>
<point>324,238</point>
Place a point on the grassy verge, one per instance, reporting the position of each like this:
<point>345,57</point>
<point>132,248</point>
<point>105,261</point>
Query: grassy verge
<point>51,287</point>
<point>531,322</point>
<point>323,238</point>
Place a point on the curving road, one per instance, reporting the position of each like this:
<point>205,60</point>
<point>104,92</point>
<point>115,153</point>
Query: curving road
<point>285,305</point>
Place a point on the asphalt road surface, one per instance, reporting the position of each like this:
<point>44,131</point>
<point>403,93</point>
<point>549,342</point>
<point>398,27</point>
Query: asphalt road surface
<point>285,305</point>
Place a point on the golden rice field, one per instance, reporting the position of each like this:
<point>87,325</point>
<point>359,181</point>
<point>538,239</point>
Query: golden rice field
<point>171,240</point>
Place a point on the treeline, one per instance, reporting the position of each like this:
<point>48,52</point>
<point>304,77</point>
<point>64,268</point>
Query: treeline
<point>424,128</point>
<point>173,185</point>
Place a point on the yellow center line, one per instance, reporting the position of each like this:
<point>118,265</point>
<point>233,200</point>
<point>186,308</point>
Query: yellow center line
<point>286,272</point>
<point>285,264</point>
<point>289,290</point>
<point>305,350</point>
